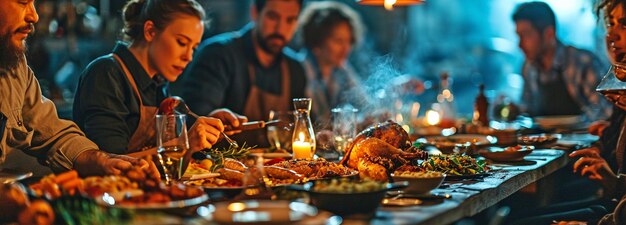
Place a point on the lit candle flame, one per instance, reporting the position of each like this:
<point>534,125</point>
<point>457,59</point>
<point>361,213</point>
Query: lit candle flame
<point>432,117</point>
<point>301,136</point>
<point>389,4</point>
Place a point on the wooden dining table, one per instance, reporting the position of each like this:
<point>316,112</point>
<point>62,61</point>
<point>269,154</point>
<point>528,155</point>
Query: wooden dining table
<point>469,197</point>
<point>463,197</point>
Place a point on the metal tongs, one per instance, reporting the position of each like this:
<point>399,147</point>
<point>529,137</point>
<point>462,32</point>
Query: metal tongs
<point>252,125</point>
<point>9,176</point>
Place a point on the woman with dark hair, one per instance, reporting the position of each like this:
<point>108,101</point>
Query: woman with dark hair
<point>118,94</point>
<point>329,31</point>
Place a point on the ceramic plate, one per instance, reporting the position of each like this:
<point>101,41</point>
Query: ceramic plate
<point>557,121</point>
<point>261,212</point>
<point>107,200</point>
<point>459,140</point>
<point>510,154</point>
<point>538,140</point>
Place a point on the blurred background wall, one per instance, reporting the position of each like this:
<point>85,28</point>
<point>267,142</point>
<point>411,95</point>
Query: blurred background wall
<point>474,41</point>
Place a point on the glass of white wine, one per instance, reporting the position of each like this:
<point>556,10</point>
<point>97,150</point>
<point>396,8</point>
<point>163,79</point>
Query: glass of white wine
<point>172,144</point>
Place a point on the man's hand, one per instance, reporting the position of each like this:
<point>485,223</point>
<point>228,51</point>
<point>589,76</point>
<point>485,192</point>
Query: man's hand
<point>204,133</point>
<point>586,152</point>
<point>96,162</point>
<point>597,127</point>
<point>230,118</point>
<point>593,166</point>
<point>618,99</point>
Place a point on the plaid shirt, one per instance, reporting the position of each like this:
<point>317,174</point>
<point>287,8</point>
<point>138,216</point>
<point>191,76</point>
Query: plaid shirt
<point>580,70</point>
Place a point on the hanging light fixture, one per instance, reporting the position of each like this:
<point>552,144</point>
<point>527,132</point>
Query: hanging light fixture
<point>389,4</point>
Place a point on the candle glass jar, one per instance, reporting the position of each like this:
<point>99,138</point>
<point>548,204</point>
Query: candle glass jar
<point>303,139</point>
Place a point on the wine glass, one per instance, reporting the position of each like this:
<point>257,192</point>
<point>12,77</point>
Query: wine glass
<point>279,134</point>
<point>613,85</point>
<point>611,82</point>
<point>172,144</point>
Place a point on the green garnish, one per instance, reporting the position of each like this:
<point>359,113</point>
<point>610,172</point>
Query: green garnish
<point>219,154</point>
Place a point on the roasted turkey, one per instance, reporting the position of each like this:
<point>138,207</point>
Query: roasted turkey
<point>389,131</point>
<point>377,151</point>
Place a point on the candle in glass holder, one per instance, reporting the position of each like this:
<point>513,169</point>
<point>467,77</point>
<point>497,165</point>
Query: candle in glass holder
<point>302,149</point>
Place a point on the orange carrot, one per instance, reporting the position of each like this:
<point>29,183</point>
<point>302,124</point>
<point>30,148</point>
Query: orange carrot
<point>51,189</point>
<point>36,186</point>
<point>63,177</point>
<point>71,184</point>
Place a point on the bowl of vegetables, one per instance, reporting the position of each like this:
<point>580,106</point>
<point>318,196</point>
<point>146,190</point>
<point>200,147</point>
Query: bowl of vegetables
<point>345,196</point>
<point>420,182</point>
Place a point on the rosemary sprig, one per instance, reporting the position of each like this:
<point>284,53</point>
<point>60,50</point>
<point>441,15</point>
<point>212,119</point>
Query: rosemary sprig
<point>219,154</point>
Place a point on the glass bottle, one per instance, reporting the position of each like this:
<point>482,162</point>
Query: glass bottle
<point>303,138</point>
<point>480,108</point>
<point>445,98</point>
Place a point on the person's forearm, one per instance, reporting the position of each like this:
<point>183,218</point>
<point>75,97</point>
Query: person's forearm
<point>57,141</point>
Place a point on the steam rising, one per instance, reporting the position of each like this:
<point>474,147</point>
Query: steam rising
<point>383,94</point>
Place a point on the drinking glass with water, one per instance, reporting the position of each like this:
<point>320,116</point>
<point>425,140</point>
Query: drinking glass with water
<point>344,127</point>
<point>279,134</point>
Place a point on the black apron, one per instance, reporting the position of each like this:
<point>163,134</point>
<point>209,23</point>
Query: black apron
<point>554,99</point>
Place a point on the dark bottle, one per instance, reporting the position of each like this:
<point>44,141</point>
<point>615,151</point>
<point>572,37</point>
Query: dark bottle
<point>480,108</point>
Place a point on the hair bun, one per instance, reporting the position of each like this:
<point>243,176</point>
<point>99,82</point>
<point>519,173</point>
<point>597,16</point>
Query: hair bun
<point>133,9</point>
<point>159,12</point>
<point>132,15</point>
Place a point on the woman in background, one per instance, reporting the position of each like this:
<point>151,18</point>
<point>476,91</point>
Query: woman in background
<point>118,94</point>
<point>329,31</point>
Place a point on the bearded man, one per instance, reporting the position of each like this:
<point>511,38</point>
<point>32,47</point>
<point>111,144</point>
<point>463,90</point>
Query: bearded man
<point>31,133</point>
<point>249,71</point>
